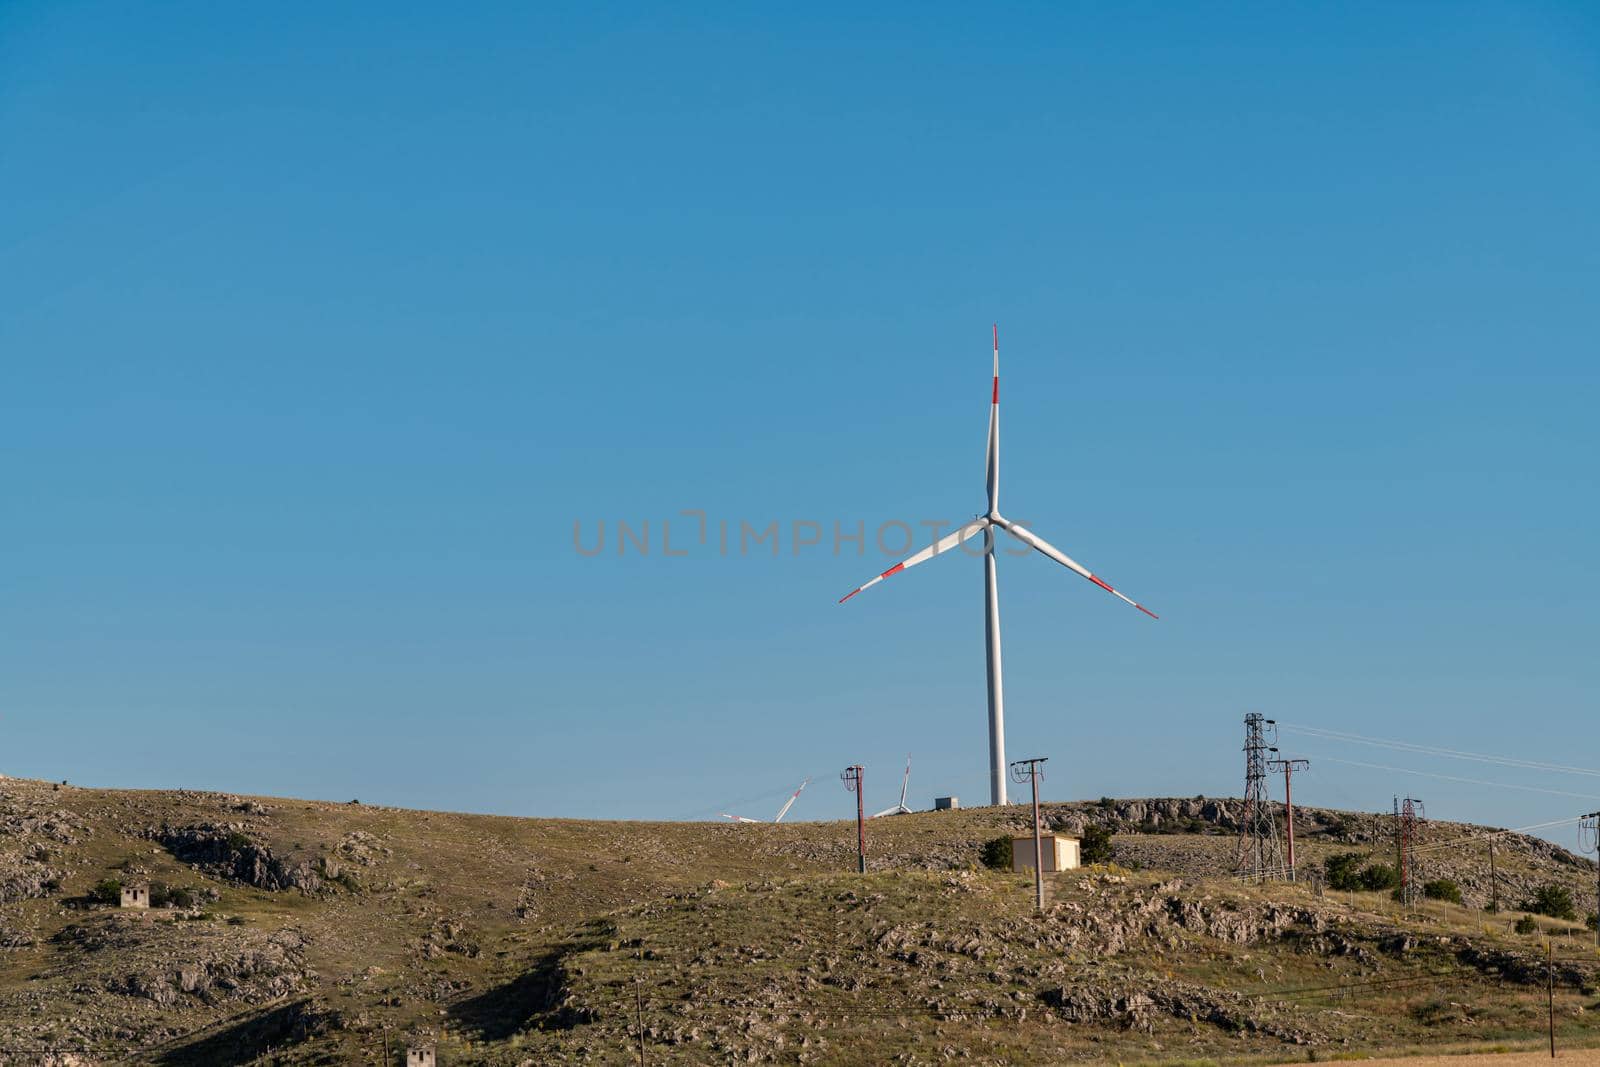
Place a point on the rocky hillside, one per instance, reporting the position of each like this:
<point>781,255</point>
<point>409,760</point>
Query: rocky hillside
<point>341,933</point>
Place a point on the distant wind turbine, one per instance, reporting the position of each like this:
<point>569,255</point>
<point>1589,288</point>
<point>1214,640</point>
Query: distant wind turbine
<point>900,808</point>
<point>781,811</point>
<point>986,524</point>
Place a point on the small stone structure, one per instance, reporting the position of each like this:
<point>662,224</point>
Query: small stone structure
<point>946,803</point>
<point>1060,852</point>
<point>135,896</point>
<point>421,1056</point>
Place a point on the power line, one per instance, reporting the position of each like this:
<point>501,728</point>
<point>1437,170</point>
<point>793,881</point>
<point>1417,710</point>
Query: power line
<point>1435,750</point>
<point>1496,835</point>
<point>1456,778</point>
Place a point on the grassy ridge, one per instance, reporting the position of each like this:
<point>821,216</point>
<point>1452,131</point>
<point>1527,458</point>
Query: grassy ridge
<point>534,940</point>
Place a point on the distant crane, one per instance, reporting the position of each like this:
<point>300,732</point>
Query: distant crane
<point>781,811</point>
<point>900,808</point>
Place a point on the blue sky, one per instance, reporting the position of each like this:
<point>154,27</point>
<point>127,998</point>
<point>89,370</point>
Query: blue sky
<point>320,330</point>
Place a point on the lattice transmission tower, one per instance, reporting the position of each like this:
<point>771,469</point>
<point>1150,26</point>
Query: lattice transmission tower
<point>1260,855</point>
<point>1409,817</point>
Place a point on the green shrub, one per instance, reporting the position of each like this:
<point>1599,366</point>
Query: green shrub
<point>1343,872</point>
<point>1107,803</point>
<point>237,841</point>
<point>1593,921</point>
<point>171,896</point>
<point>108,891</point>
<point>997,853</point>
<point>1552,900</point>
<point>1095,846</point>
<point>1378,877</point>
<point>1526,925</point>
<point>1442,889</point>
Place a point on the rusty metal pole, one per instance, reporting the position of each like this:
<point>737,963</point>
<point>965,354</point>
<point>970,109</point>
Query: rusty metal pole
<point>1550,946</point>
<point>852,781</point>
<point>1494,881</point>
<point>1590,829</point>
<point>1289,766</point>
<point>1400,850</point>
<point>1038,851</point>
<point>861,832</point>
<point>1031,770</point>
<point>1288,806</point>
<point>638,1004</point>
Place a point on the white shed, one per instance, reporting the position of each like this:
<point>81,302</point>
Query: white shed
<point>135,896</point>
<point>421,1056</point>
<point>1060,852</point>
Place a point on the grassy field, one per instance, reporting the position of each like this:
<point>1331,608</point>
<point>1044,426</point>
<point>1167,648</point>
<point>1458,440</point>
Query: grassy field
<point>328,932</point>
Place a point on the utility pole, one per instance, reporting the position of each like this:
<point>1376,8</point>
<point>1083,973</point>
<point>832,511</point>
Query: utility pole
<point>1288,767</point>
<point>638,1004</point>
<point>852,781</point>
<point>1550,948</point>
<point>1031,770</point>
<point>1259,856</point>
<point>1589,837</point>
<point>1494,882</point>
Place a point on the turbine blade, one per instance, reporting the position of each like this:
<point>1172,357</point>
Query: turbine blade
<point>1033,540</point>
<point>944,544</point>
<point>790,802</point>
<point>992,458</point>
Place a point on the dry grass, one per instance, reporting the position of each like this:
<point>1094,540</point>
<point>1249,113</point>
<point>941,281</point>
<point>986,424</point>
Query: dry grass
<point>493,936</point>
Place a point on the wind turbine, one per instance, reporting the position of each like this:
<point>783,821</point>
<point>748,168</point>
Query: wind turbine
<point>900,808</point>
<point>986,524</point>
<point>781,811</point>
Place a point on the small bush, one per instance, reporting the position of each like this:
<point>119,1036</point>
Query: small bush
<point>1526,925</point>
<point>1378,877</point>
<point>1107,803</point>
<point>997,853</point>
<point>1593,921</point>
<point>1442,889</point>
<point>1343,871</point>
<point>1095,847</point>
<point>237,841</point>
<point>172,896</point>
<point>1554,901</point>
<point>108,891</point>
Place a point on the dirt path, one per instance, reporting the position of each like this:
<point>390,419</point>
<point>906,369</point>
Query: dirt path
<point>1487,1059</point>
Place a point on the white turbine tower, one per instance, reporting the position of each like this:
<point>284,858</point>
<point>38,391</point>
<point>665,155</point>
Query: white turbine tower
<point>900,808</point>
<point>986,524</point>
